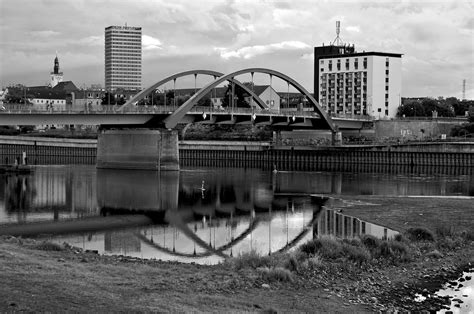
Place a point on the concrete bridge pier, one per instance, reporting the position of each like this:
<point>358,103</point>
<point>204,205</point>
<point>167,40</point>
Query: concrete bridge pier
<point>138,149</point>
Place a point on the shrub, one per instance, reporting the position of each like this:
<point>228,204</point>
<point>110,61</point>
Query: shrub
<point>48,246</point>
<point>468,235</point>
<point>249,260</point>
<point>399,237</point>
<point>311,247</point>
<point>420,234</point>
<point>292,263</point>
<point>358,254</point>
<point>444,231</point>
<point>370,241</point>
<point>315,261</point>
<point>275,274</point>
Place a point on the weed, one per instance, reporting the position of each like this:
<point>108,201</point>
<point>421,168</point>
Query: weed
<point>399,238</point>
<point>292,263</point>
<point>370,241</point>
<point>358,254</point>
<point>249,260</point>
<point>444,231</point>
<point>275,274</point>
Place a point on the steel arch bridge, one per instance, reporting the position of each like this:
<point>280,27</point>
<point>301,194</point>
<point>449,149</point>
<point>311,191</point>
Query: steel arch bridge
<point>178,115</point>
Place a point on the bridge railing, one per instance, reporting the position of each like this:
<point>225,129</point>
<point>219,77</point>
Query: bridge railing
<point>168,109</point>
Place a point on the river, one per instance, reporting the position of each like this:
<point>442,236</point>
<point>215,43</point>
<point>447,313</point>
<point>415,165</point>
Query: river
<point>202,215</point>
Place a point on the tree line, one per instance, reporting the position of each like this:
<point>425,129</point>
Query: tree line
<point>429,107</point>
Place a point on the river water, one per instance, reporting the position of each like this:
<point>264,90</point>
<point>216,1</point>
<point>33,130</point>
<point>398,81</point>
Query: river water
<point>201,214</point>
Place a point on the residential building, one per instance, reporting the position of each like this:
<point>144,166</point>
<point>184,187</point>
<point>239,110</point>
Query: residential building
<point>269,96</point>
<point>123,57</point>
<point>366,83</point>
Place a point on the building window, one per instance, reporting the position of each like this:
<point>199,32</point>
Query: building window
<point>321,62</point>
<point>338,64</point>
<point>386,80</point>
<point>386,112</point>
<point>386,62</point>
<point>322,69</point>
<point>347,64</point>
<point>365,63</point>
<point>330,65</point>
<point>356,63</point>
<point>386,88</point>
<point>386,72</point>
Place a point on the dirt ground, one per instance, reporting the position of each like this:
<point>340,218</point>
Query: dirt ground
<point>71,280</point>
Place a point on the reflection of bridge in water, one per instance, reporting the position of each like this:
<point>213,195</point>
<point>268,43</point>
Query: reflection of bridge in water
<point>207,213</point>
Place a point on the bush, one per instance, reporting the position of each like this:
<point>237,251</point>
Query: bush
<point>370,241</point>
<point>249,260</point>
<point>420,234</point>
<point>399,237</point>
<point>358,254</point>
<point>444,231</point>
<point>48,246</point>
<point>275,274</point>
<point>328,247</point>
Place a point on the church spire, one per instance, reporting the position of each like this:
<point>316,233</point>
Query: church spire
<point>56,64</point>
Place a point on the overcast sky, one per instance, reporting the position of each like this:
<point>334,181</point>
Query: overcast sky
<point>435,38</point>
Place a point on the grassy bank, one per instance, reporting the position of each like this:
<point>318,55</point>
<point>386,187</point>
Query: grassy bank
<point>323,275</point>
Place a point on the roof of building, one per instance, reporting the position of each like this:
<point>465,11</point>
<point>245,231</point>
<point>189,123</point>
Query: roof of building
<point>363,54</point>
<point>47,93</point>
<point>67,86</point>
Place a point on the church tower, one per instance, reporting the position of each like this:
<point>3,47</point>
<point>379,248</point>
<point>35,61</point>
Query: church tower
<point>56,76</point>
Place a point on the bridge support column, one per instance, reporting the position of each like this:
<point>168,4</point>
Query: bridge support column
<point>277,137</point>
<point>142,149</point>
<point>337,138</point>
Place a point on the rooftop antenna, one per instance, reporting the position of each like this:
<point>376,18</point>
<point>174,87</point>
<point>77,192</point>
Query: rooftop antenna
<point>464,89</point>
<point>338,41</point>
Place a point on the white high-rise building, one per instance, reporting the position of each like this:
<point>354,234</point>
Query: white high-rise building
<point>123,57</point>
<point>366,83</point>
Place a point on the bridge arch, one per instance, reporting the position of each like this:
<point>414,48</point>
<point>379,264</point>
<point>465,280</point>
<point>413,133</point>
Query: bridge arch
<point>142,94</point>
<point>172,120</point>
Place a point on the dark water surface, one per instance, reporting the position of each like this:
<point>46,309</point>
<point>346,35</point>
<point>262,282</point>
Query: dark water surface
<point>202,215</point>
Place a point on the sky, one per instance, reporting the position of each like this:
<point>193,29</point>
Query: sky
<point>435,38</point>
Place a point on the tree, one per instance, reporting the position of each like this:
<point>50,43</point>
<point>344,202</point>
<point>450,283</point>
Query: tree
<point>239,97</point>
<point>108,99</point>
<point>440,106</point>
<point>411,109</point>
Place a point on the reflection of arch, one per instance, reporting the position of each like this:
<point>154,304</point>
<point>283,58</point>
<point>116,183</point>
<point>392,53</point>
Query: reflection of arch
<point>172,120</point>
<point>209,250</point>
<point>302,234</point>
<point>173,77</point>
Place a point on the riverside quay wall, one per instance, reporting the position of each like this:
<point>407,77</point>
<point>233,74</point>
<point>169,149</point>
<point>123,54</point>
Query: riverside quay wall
<point>44,151</point>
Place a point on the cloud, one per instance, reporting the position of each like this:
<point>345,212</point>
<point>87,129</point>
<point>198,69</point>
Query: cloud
<point>151,43</point>
<point>353,29</point>
<point>252,51</point>
<point>44,34</point>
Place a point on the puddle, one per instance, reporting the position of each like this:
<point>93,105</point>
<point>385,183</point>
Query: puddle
<point>461,293</point>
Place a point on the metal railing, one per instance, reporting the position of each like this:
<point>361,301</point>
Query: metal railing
<point>169,109</point>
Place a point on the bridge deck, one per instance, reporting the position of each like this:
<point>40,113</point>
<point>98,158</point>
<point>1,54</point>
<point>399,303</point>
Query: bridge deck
<point>154,115</point>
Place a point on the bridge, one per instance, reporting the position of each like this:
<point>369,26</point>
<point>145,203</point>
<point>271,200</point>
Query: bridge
<point>145,137</point>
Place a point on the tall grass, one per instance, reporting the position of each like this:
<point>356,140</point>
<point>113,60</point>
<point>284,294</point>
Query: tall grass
<point>275,274</point>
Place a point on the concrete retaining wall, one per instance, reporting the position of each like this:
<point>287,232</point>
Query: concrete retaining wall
<point>413,129</point>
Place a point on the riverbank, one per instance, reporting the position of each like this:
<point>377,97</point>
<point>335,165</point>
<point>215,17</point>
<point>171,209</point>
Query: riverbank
<point>45,277</point>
